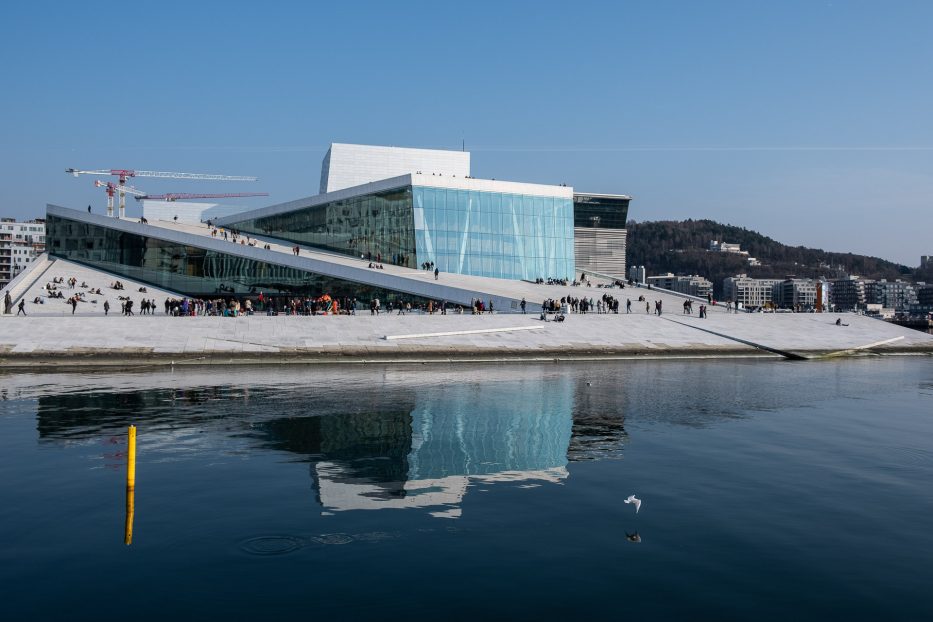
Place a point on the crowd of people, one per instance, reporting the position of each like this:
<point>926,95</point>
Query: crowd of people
<point>571,304</point>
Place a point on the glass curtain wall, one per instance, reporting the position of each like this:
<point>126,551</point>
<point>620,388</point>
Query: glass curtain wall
<point>194,271</point>
<point>376,226</point>
<point>494,234</point>
<point>604,212</point>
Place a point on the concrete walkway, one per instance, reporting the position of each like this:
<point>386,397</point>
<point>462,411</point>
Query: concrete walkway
<point>93,304</point>
<point>126,341</point>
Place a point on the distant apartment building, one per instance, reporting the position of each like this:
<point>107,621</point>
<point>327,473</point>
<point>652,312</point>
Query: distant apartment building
<point>850,293</point>
<point>800,294</point>
<point>891,294</point>
<point>692,285</point>
<point>750,292</point>
<point>925,296</point>
<point>926,261</point>
<point>20,244</point>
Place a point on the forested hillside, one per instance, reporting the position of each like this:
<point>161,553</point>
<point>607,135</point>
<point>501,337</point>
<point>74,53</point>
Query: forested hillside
<point>681,247</point>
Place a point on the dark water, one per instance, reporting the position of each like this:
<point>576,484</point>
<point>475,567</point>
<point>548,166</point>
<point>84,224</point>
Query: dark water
<point>770,491</point>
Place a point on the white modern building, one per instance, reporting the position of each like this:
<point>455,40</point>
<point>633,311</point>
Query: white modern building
<point>748,291</point>
<point>20,244</point>
<point>346,166</point>
<point>367,241</point>
<point>417,207</point>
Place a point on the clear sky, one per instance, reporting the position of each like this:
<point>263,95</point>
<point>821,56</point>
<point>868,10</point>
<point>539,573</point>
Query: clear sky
<point>809,121</point>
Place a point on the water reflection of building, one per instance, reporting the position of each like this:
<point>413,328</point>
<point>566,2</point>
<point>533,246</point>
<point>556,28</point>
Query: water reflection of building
<point>428,457</point>
<point>392,441</point>
<point>598,422</point>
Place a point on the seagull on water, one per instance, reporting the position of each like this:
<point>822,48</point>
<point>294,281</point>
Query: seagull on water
<point>632,537</point>
<point>636,501</point>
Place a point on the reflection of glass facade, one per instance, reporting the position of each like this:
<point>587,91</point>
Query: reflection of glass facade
<point>194,271</point>
<point>493,234</point>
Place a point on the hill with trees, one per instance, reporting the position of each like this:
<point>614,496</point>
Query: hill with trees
<point>681,247</point>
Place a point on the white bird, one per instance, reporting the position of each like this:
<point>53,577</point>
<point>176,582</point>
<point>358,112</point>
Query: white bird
<point>636,501</point>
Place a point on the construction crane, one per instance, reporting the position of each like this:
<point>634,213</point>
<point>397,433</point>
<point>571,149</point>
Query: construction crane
<point>123,174</point>
<point>181,196</point>
<point>111,188</point>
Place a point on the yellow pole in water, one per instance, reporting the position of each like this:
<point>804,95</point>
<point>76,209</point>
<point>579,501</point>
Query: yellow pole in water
<point>130,484</point>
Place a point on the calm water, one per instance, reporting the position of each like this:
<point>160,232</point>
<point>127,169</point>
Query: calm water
<point>771,490</point>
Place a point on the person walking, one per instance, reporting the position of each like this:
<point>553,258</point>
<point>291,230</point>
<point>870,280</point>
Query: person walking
<point>628,305</point>
<point>106,307</point>
<point>522,304</point>
<point>436,272</point>
<point>21,307</point>
<point>74,304</point>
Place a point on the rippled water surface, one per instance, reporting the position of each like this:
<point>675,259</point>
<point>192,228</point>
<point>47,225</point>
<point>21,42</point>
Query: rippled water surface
<point>771,490</point>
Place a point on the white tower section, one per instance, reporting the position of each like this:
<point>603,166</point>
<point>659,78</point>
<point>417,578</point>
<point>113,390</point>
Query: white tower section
<point>345,166</point>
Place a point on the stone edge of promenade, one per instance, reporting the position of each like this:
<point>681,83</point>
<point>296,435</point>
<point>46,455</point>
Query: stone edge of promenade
<point>128,358</point>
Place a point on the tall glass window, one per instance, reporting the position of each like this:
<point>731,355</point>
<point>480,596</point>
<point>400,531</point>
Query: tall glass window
<point>376,226</point>
<point>191,270</point>
<point>494,234</point>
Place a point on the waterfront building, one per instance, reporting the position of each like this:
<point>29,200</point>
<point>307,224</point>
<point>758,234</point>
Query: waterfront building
<point>347,166</point>
<point>20,244</point>
<point>926,261</point>
<point>692,285</point>
<point>460,225</point>
<point>896,294</point>
<point>436,216</point>
<point>849,294</point>
<point>797,294</point>
<point>751,293</point>
<point>925,295</point>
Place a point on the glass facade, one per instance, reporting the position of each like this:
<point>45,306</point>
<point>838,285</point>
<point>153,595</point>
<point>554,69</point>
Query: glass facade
<point>491,234</point>
<point>193,271</point>
<point>600,211</point>
<point>377,226</point>
<point>494,234</point>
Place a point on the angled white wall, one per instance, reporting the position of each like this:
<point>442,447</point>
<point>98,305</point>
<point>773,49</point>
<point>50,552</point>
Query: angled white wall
<point>345,166</point>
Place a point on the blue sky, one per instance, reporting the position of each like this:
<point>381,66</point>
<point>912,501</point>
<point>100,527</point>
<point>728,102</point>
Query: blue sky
<point>809,121</point>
